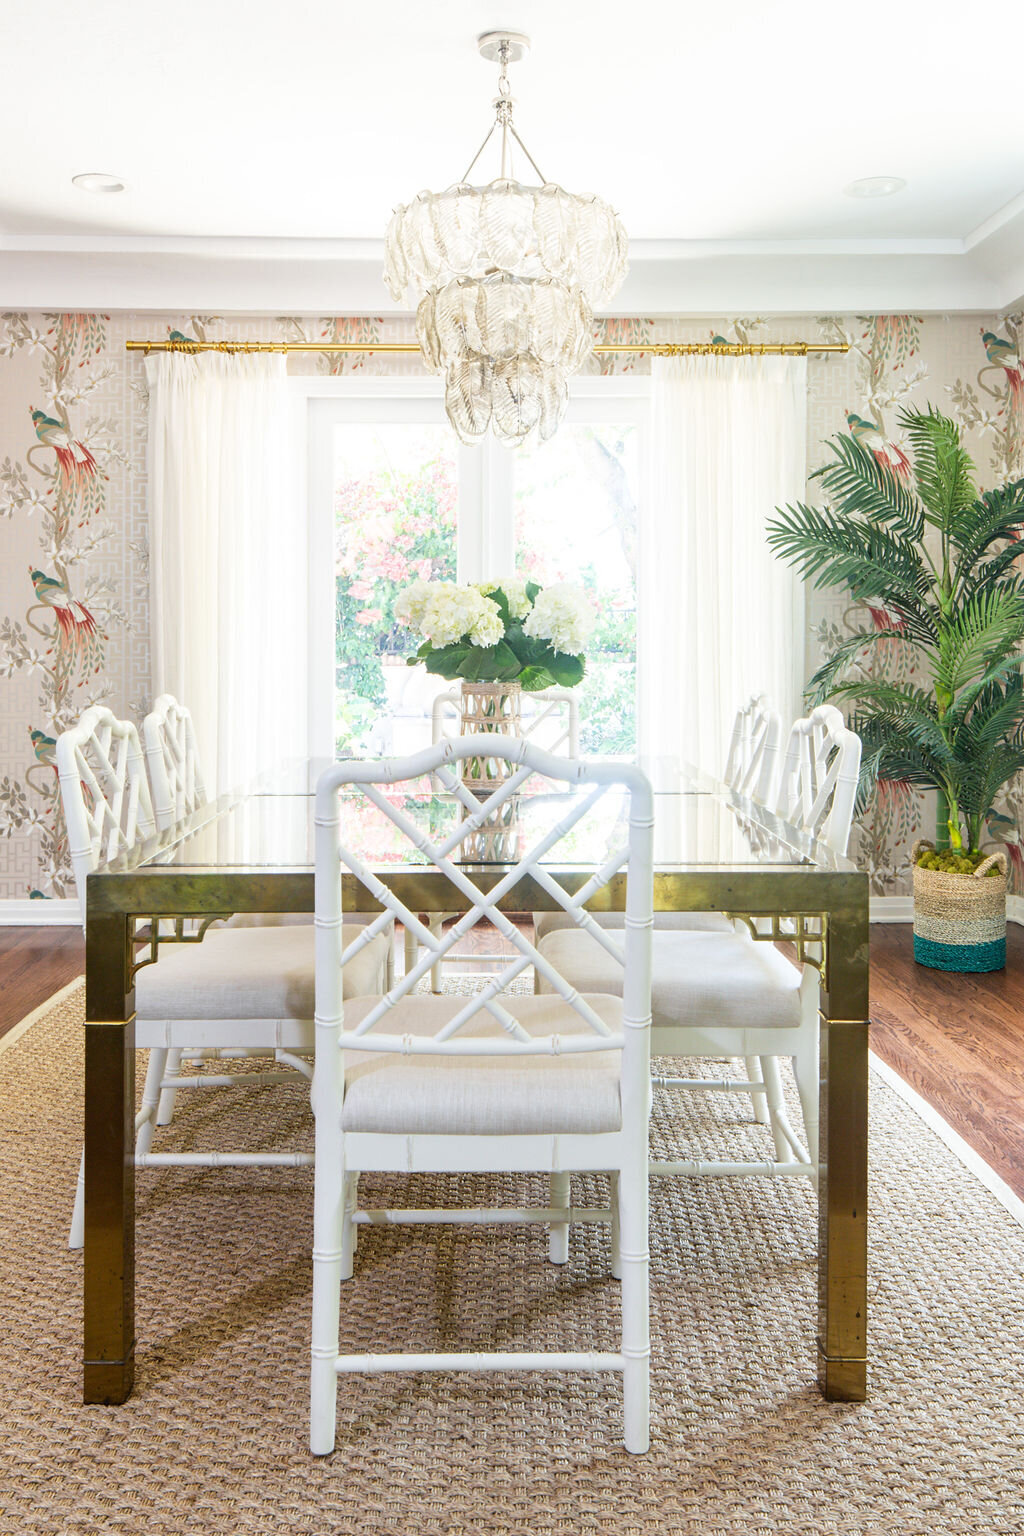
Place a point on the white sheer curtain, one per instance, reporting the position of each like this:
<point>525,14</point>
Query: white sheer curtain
<point>720,617</point>
<point>228,559</point>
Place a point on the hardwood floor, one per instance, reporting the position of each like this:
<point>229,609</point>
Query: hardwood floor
<point>34,964</point>
<point>958,1040</point>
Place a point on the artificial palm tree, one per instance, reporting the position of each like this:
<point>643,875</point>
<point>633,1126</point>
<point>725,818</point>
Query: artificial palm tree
<point>935,564</point>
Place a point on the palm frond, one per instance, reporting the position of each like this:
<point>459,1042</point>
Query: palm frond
<point>824,682</point>
<point>866,487</point>
<point>872,562</point>
<point>888,753</point>
<point>891,707</point>
<point>943,469</point>
<point>1002,670</point>
<point>993,516</point>
<point>1002,569</point>
<point>988,627</point>
<point>998,709</point>
<point>982,779</point>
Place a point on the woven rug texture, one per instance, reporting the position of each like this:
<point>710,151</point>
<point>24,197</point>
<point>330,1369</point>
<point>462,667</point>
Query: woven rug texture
<point>213,1442</point>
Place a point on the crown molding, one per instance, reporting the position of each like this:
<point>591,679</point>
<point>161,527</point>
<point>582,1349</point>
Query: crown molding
<point>180,274</point>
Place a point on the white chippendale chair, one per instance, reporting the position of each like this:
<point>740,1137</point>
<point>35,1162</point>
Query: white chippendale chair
<point>172,758</point>
<point>551,720</point>
<point>752,766</point>
<point>727,994</point>
<point>178,789</point>
<point>494,1082</point>
<point>238,993</point>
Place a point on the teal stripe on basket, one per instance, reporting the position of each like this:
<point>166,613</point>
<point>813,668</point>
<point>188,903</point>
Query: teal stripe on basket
<point>960,957</point>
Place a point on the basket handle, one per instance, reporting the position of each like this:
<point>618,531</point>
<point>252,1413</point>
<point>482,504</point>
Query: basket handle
<point>999,857</point>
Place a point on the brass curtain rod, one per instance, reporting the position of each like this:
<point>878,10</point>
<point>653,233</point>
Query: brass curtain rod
<point>652,349</point>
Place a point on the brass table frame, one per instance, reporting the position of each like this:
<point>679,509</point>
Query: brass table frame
<point>836,900</point>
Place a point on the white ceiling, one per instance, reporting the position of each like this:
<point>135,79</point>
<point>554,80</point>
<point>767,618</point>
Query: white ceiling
<point>264,146</point>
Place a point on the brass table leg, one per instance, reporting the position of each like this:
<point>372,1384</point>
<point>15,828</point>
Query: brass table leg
<point>843,1182</point>
<point>109,1161</point>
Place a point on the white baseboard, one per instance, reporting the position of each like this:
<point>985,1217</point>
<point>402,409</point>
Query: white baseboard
<point>892,909</point>
<point>59,912</point>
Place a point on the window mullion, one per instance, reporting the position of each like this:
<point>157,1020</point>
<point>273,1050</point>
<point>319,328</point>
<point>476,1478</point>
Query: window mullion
<point>499,534</point>
<point>486,525</point>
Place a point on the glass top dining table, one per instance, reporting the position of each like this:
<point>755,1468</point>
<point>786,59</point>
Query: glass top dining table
<point>252,852</point>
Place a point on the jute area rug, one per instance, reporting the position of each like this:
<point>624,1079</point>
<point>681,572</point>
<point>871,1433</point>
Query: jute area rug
<point>214,1439</point>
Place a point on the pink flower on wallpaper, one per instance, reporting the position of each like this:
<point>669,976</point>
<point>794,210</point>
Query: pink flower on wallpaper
<point>423,568</point>
<point>361,589</point>
<point>369,616</point>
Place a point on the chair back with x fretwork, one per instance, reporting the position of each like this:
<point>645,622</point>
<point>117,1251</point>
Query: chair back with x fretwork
<point>104,791</point>
<point>818,788</point>
<point>551,721</point>
<point>496,1081</point>
<point>753,762</point>
<point>175,777</point>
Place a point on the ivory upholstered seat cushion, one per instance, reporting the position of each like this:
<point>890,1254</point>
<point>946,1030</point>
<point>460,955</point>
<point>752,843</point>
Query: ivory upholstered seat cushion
<point>667,922</point>
<point>249,973</point>
<point>483,1095</point>
<point>699,980</point>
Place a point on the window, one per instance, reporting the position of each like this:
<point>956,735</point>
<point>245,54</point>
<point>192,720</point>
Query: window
<point>394,495</point>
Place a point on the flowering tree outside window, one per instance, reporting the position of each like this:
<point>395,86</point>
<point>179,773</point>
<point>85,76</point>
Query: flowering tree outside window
<point>391,527</point>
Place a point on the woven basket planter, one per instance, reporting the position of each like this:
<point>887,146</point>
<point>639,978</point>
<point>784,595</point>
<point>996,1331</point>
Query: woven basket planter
<point>960,920</point>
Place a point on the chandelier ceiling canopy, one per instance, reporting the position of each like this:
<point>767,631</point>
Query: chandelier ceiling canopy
<point>506,277</point>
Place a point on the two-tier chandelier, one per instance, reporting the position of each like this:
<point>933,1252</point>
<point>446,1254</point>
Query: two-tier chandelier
<point>506,278</point>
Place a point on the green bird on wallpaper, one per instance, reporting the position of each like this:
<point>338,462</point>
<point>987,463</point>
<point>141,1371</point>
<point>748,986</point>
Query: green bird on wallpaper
<point>76,464</point>
<point>45,748</point>
<point>874,440</point>
<point>76,628</point>
<point>1003,354</point>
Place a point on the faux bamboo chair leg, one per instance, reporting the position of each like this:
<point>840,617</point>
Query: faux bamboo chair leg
<point>776,1107</point>
<point>806,1064</point>
<point>753,1065</point>
<point>613,1179</point>
<point>559,1199</point>
<point>165,1109</point>
<point>328,1261</point>
<point>805,1068</point>
<point>348,1228</point>
<point>436,925</point>
<point>412,949</point>
<point>636,1339</point>
<point>152,1097</point>
<point>76,1238</point>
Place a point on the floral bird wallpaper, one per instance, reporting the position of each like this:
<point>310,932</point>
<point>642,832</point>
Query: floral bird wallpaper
<point>73,538</point>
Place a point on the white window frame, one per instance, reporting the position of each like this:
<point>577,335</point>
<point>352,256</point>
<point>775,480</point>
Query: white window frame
<point>486,537</point>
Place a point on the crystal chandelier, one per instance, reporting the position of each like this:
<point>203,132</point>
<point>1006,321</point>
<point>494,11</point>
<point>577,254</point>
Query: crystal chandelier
<point>507,277</point>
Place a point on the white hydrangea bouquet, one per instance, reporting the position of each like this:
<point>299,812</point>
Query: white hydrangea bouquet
<point>499,632</point>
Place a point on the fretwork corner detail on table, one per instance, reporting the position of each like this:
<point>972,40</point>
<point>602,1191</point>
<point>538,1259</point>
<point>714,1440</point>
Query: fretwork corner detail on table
<point>152,936</point>
<point>791,928</point>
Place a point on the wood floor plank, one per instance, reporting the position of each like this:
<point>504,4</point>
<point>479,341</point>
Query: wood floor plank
<point>957,1040</point>
<point>34,964</point>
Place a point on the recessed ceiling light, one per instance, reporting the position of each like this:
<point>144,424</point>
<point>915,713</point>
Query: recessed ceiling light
<point>98,181</point>
<point>875,186</point>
